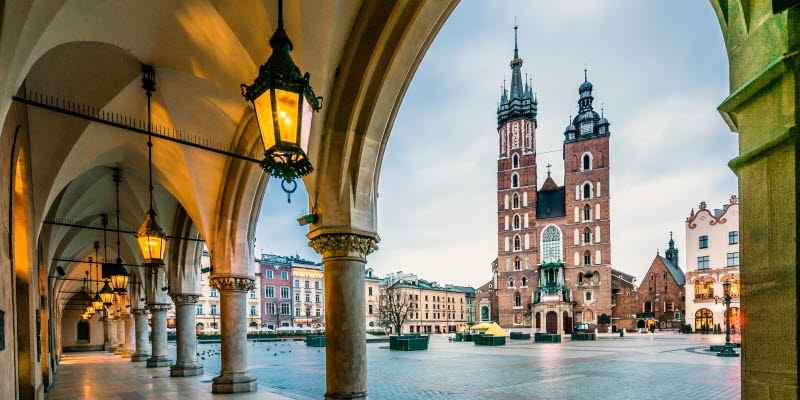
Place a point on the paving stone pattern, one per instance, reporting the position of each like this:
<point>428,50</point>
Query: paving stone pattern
<point>638,366</point>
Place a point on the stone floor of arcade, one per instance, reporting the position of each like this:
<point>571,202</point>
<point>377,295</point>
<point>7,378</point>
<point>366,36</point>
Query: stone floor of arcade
<point>618,367</point>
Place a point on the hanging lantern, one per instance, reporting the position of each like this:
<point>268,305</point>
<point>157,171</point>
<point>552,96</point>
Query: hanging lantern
<point>283,101</point>
<point>97,302</point>
<point>152,240</point>
<point>106,294</point>
<point>90,310</point>
<point>119,279</point>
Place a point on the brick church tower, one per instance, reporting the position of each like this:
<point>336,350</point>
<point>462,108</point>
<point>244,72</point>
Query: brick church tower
<point>516,199</point>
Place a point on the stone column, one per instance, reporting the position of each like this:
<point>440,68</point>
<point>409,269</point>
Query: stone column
<point>234,376</point>
<point>344,256</point>
<point>120,332</point>
<point>130,345</point>
<point>158,358</point>
<point>186,363</point>
<point>112,334</point>
<point>142,341</point>
<point>106,337</point>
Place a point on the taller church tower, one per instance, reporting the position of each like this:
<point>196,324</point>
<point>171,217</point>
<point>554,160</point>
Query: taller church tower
<point>516,198</point>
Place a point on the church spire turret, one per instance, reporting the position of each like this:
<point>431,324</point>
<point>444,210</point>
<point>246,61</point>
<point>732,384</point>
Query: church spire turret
<point>518,100</point>
<point>672,252</point>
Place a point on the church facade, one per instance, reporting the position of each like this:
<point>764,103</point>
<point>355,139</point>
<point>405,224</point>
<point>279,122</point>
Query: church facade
<point>554,267</point>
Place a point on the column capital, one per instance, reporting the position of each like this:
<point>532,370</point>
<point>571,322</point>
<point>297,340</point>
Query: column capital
<point>181,298</point>
<point>139,311</point>
<point>158,307</point>
<point>345,244</point>
<point>232,282</point>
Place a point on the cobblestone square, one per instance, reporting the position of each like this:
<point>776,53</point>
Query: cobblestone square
<point>662,365</point>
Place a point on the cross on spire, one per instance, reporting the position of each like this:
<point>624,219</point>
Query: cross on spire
<point>548,169</point>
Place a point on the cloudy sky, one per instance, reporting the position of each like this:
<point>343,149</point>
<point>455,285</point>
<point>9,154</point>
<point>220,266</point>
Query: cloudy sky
<point>659,69</point>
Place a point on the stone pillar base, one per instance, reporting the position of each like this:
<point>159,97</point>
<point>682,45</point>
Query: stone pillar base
<point>186,370</point>
<point>139,357</point>
<point>117,351</point>
<point>339,396</point>
<point>234,383</point>
<point>154,362</point>
<point>125,355</point>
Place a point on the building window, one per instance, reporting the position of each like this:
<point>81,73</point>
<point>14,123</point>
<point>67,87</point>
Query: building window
<point>703,319</point>
<point>316,297</point>
<point>516,222</point>
<point>284,308</point>
<point>369,289</point>
<point>253,294</point>
<point>551,244</point>
<point>517,243</point>
<point>702,262</point>
<point>515,161</point>
<point>517,264</point>
<point>588,296</point>
<point>524,284</point>
<point>517,300</point>
<point>213,292</point>
<point>703,242</point>
<point>587,236</point>
<point>588,316</point>
<point>669,307</point>
<point>213,309</point>
<point>510,284</point>
<point>316,285</point>
<point>514,180</point>
<point>269,291</point>
<point>308,285</point>
<point>252,310</point>
<point>733,259</point>
<point>297,283</point>
<point>587,162</point>
<point>587,213</point>
<point>269,274</point>
<point>587,258</point>
<point>308,297</point>
<point>370,309</point>
<point>297,296</point>
<point>318,312</point>
<point>648,307</point>
<point>580,277</point>
<point>284,292</point>
<point>587,191</point>
<point>515,201</point>
<point>296,312</point>
<point>733,237</point>
<point>284,276</point>
<point>704,289</point>
<point>269,308</point>
<point>200,309</point>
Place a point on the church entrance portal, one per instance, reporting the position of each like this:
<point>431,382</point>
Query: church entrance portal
<point>552,322</point>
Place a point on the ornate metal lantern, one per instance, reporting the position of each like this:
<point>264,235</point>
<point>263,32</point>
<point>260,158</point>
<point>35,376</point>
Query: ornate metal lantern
<point>97,302</point>
<point>283,101</point>
<point>152,240</point>
<point>119,279</point>
<point>107,294</point>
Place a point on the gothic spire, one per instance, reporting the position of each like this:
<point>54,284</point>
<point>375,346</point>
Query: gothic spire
<point>516,73</point>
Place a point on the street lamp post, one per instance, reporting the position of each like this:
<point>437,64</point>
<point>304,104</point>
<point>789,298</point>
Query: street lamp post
<point>727,350</point>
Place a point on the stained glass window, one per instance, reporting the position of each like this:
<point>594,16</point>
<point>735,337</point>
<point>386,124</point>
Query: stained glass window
<point>551,244</point>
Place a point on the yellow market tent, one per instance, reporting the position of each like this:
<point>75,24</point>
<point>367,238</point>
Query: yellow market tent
<point>481,327</point>
<point>495,330</point>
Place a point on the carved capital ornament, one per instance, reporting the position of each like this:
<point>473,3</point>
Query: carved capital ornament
<point>240,283</point>
<point>343,245</point>
<point>158,307</point>
<point>185,298</point>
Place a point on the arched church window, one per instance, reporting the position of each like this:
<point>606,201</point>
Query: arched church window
<point>587,213</point>
<point>516,221</point>
<point>511,283</point>
<point>588,296</point>
<point>514,180</point>
<point>580,277</point>
<point>515,201</point>
<point>587,258</point>
<point>588,316</point>
<point>551,244</point>
<point>517,243</point>
<point>517,264</point>
<point>524,282</point>
<point>516,136</point>
<point>587,236</point>
<point>515,161</point>
<point>587,162</point>
<point>517,300</point>
<point>587,191</point>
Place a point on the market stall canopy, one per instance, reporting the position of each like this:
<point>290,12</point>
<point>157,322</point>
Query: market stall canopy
<point>495,330</point>
<point>481,327</point>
